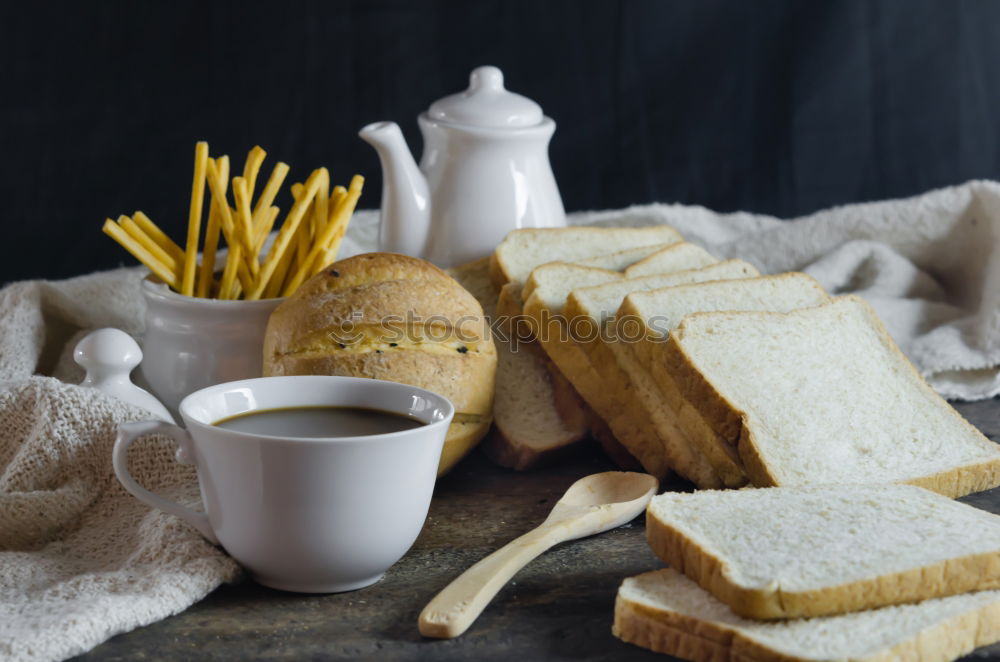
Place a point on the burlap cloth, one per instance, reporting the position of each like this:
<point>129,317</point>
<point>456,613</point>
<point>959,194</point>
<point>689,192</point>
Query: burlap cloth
<point>81,560</point>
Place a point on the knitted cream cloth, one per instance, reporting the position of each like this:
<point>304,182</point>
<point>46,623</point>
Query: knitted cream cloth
<point>82,560</point>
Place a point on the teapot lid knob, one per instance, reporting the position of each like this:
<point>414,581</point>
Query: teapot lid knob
<point>489,78</point>
<point>487,104</point>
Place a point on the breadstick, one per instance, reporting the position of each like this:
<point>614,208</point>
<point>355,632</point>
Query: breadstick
<point>269,220</point>
<point>339,193</point>
<point>116,232</point>
<point>287,263</point>
<point>159,236</point>
<point>321,208</point>
<point>207,274</point>
<point>337,224</point>
<point>280,274</point>
<point>285,236</point>
<point>261,227</point>
<point>194,218</point>
<point>303,238</point>
<point>161,255</point>
<point>251,167</point>
<point>341,218</point>
<point>243,224</point>
<point>235,264</point>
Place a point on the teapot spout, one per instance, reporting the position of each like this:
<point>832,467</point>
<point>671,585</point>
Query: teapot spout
<point>405,214</point>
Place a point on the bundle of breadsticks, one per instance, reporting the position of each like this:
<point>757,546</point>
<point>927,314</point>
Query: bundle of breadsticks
<point>308,239</point>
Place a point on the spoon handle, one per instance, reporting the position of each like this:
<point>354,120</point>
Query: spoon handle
<point>455,608</point>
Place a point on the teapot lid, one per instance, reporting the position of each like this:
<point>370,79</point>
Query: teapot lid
<point>487,104</point>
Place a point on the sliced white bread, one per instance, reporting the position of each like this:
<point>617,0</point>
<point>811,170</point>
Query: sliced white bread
<point>568,348</point>
<point>525,407</point>
<point>657,312</point>
<point>622,260</point>
<point>655,258</point>
<point>537,411</point>
<point>666,612</point>
<point>523,250</point>
<point>532,427</point>
<point>682,255</point>
<point>568,402</point>
<point>830,549</point>
<point>824,395</point>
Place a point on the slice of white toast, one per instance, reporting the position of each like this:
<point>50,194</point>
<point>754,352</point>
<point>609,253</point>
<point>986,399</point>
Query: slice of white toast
<point>528,423</point>
<point>824,395</point>
<point>664,309</point>
<point>830,549</point>
<point>550,290</point>
<point>622,260</point>
<point>666,612</point>
<point>537,412</point>
<point>523,250</point>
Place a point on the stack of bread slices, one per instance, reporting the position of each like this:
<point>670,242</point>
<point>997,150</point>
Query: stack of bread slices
<point>830,572</point>
<point>705,368</point>
<point>684,364</point>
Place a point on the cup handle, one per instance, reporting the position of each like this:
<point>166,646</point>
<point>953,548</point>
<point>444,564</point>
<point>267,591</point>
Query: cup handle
<point>128,433</point>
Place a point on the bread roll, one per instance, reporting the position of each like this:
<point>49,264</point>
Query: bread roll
<point>397,318</point>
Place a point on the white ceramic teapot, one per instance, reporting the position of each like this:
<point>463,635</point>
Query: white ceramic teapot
<point>484,172</point>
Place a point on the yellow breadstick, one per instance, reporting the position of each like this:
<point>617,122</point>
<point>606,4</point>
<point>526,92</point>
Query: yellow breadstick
<point>303,238</point>
<point>194,218</point>
<point>326,239</point>
<point>329,257</point>
<point>235,264</point>
<point>252,167</point>
<point>116,232</point>
<point>321,208</point>
<point>280,274</point>
<point>269,220</point>
<point>340,219</point>
<point>159,236</point>
<point>338,195</point>
<point>266,199</point>
<point>285,236</point>
<point>243,224</point>
<point>287,263</point>
<point>161,255</point>
<point>207,274</point>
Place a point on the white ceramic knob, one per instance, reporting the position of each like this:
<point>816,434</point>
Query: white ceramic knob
<point>109,356</point>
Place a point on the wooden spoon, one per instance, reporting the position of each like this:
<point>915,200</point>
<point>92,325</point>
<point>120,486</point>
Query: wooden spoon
<point>593,504</point>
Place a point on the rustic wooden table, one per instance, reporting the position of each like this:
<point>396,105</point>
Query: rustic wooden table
<point>559,607</point>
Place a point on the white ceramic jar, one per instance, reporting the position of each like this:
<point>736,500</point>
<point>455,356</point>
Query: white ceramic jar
<point>191,343</point>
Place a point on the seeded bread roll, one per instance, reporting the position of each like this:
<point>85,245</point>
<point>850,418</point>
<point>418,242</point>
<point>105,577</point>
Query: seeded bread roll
<point>397,318</point>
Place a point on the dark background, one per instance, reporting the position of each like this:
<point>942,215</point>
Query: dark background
<point>781,107</point>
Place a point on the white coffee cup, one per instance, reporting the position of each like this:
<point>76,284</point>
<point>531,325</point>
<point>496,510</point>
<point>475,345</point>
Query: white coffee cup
<point>313,515</point>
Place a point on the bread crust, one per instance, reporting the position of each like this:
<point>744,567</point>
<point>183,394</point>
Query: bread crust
<point>689,638</point>
<point>572,361</point>
<point>500,272</point>
<point>438,338</point>
<point>465,379</point>
<point>464,433</point>
<point>719,413</point>
<point>681,454</point>
<point>737,426</point>
<point>506,449</point>
<point>974,572</point>
<point>722,456</point>
<point>504,446</point>
<point>613,448</point>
